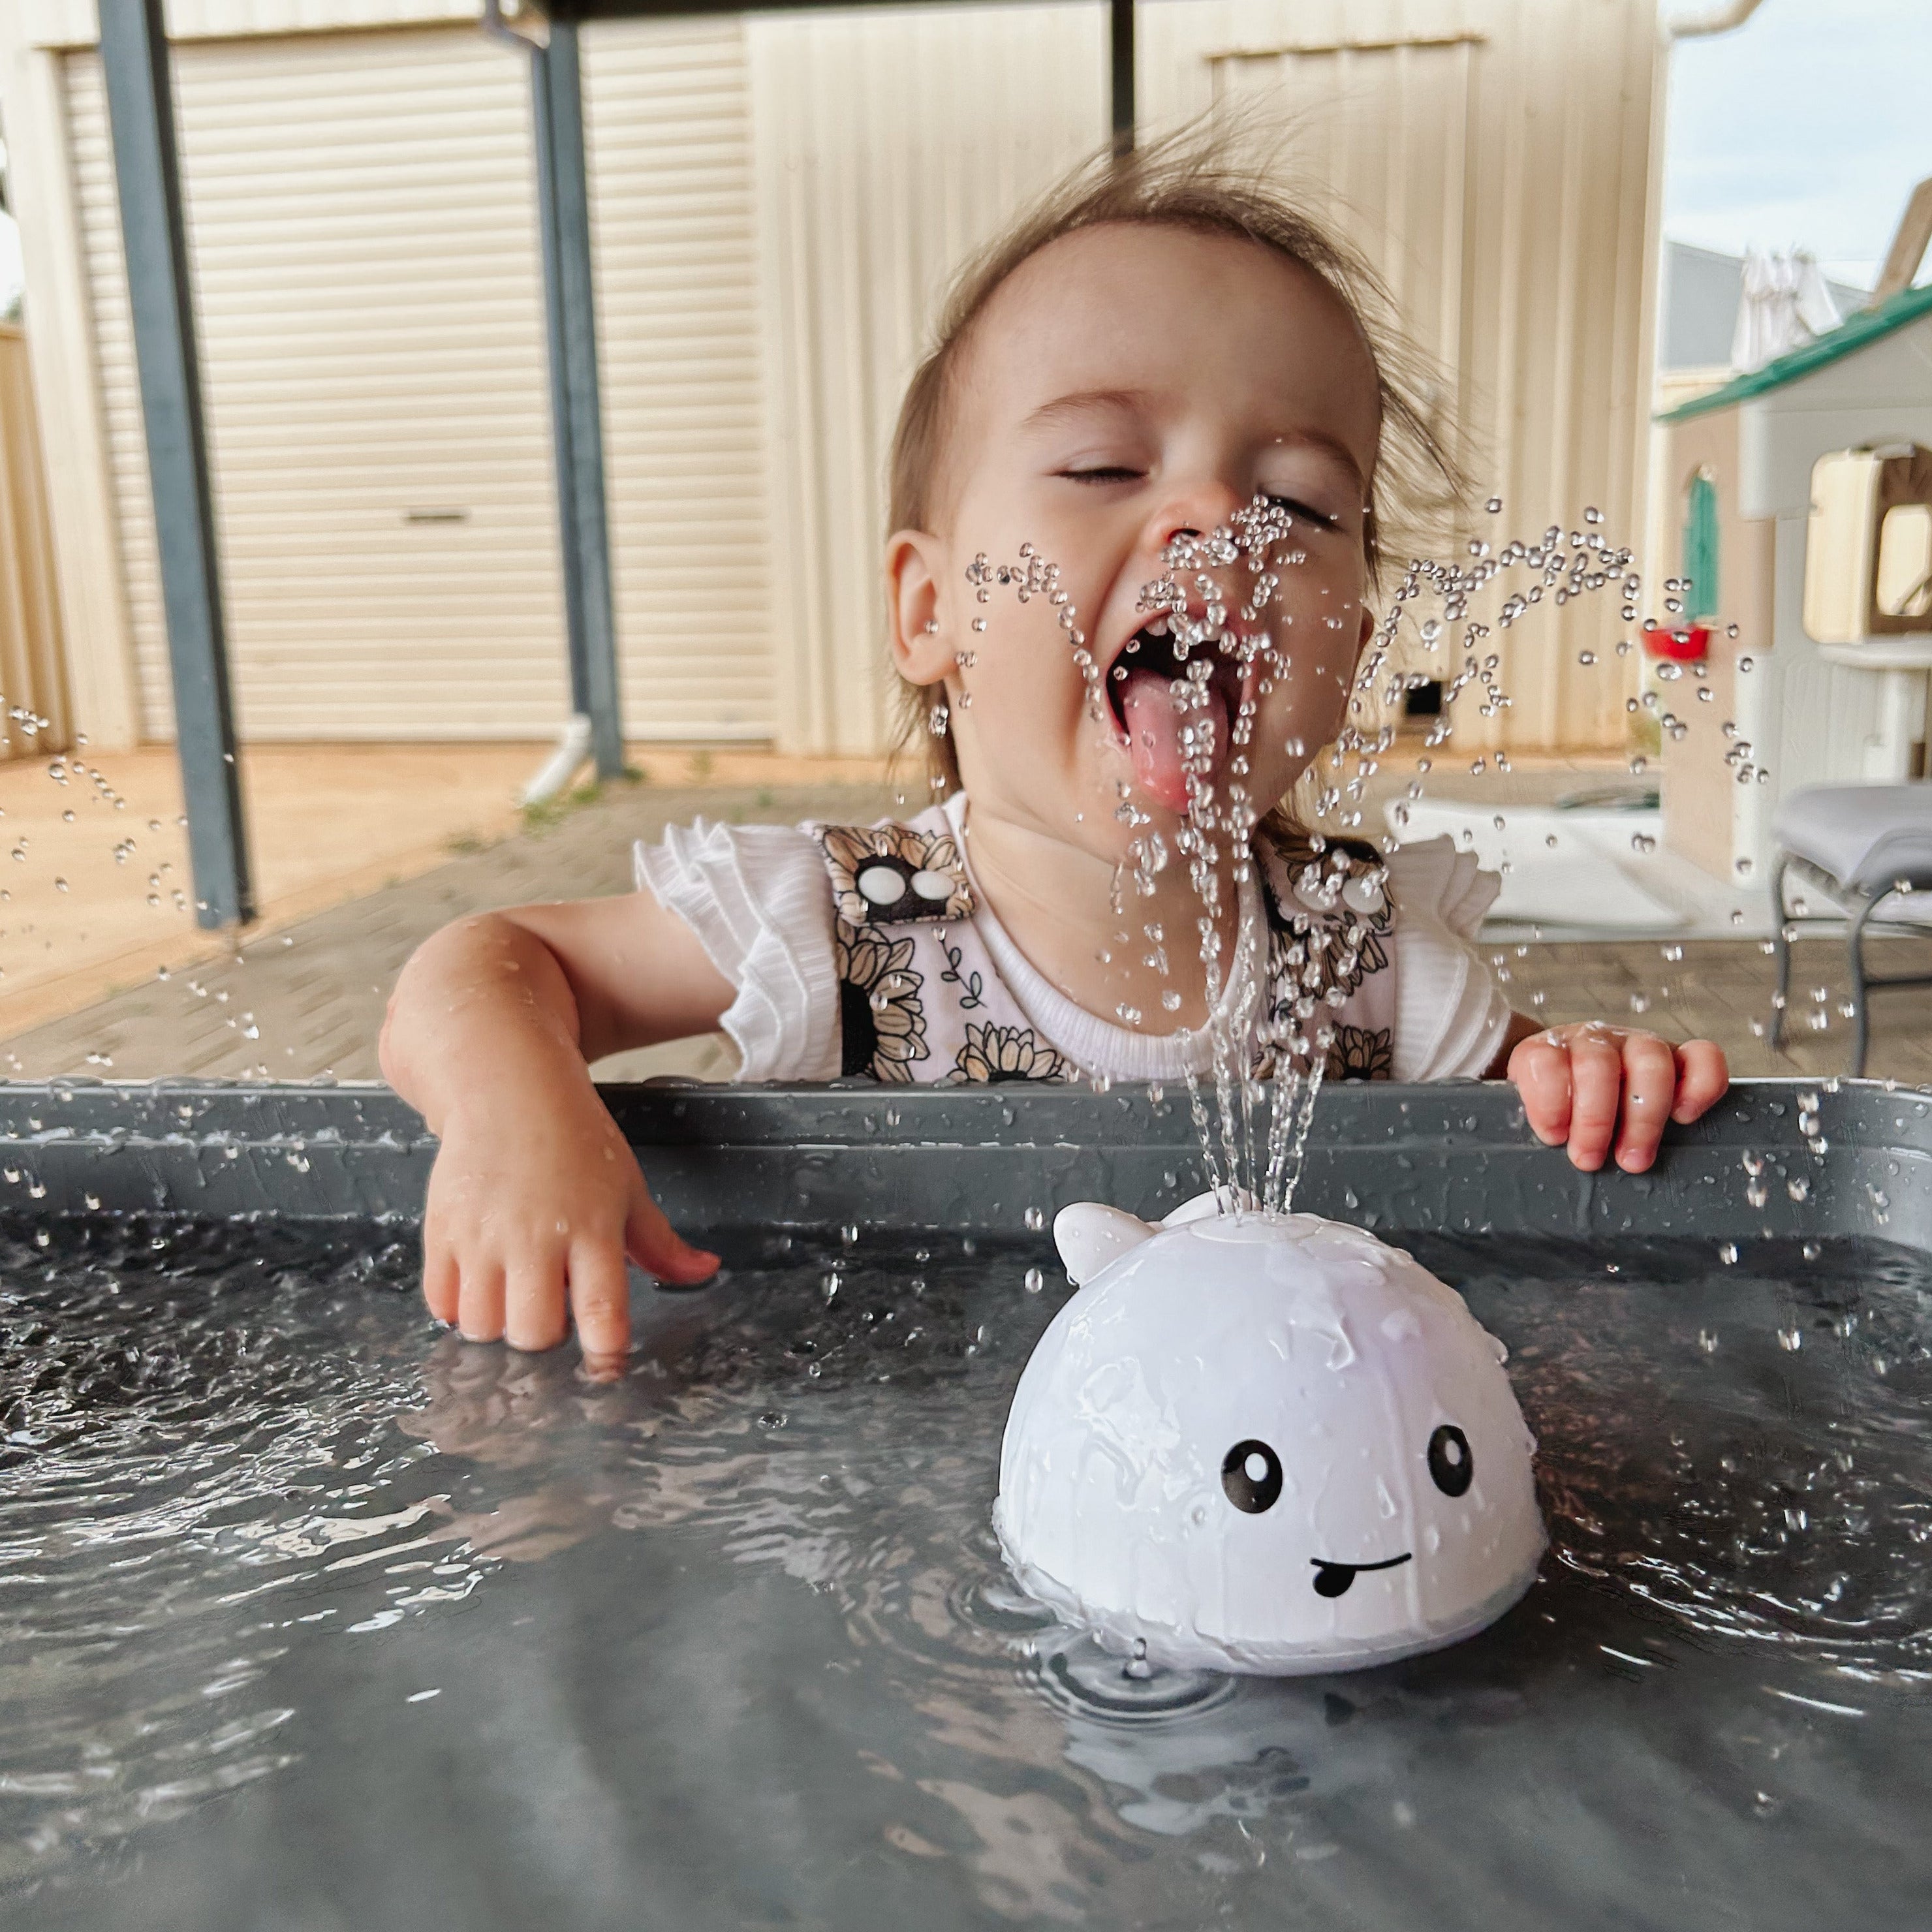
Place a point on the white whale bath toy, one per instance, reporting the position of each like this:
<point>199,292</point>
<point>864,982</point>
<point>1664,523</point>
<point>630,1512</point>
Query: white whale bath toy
<point>1266,1443</point>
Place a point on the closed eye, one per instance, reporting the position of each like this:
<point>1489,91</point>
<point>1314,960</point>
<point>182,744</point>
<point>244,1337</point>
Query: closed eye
<point>1295,507</point>
<point>1104,473</point>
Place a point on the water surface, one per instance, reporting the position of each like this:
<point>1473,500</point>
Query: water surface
<point>309,1617</point>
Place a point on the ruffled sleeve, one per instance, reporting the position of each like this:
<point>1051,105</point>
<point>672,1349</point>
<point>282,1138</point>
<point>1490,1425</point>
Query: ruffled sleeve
<point>757,897</point>
<point>1450,1015</point>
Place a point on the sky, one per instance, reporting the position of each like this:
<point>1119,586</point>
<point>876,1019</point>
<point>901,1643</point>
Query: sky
<point>1806,126</point>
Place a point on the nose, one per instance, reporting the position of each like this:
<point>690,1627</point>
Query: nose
<point>1193,510</point>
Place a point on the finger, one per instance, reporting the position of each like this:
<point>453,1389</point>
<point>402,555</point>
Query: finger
<point>657,1247</point>
<point>533,1300</point>
<point>1650,1081</point>
<point>600,1299</point>
<point>1540,1068</point>
<point>1596,1087</point>
<point>440,1277</point>
<point>1703,1079</point>
<point>479,1302</point>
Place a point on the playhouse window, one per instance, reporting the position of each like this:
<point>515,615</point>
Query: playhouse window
<point>1700,548</point>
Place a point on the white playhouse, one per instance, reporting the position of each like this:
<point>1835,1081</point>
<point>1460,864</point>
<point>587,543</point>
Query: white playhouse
<point>1804,522</point>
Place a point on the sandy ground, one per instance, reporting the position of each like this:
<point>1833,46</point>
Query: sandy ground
<point>97,896</point>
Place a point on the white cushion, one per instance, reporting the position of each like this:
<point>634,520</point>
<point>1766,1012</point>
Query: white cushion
<point>1868,836</point>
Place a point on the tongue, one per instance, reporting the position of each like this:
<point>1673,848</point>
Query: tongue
<point>1153,736</point>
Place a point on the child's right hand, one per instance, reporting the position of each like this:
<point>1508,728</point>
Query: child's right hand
<point>532,1211</point>
<point>535,1200</point>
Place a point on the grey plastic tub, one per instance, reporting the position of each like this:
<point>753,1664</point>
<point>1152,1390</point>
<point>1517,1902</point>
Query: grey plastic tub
<point>725,1161</point>
<point>347,1624</point>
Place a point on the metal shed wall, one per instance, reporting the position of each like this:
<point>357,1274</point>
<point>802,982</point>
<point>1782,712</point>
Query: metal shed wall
<point>362,222</point>
<point>33,685</point>
<point>673,233</point>
<point>780,201</point>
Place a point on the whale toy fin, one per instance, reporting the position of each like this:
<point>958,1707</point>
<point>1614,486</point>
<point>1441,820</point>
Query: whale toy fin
<point>1089,1235</point>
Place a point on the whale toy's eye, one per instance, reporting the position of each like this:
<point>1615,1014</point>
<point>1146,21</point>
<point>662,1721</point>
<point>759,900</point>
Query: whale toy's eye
<point>1251,1475</point>
<point>1451,1468</point>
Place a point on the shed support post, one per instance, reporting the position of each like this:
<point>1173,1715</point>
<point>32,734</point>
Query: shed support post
<point>563,206</point>
<point>140,107</point>
<point>1121,73</point>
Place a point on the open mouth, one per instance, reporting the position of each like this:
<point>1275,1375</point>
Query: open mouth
<point>1332,1579</point>
<point>1175,713</point>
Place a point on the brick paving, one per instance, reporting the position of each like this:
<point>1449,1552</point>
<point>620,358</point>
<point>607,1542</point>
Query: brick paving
<point>309,1000</point>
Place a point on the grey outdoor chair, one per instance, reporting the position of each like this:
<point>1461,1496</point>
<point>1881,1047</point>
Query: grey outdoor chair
<point>1861,846</point>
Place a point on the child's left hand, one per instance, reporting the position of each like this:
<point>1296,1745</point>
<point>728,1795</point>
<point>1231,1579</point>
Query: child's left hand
<point>1590,1084</point>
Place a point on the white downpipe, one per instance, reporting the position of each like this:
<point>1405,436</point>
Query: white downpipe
<point>572,753</point>
<point>1683,21</point>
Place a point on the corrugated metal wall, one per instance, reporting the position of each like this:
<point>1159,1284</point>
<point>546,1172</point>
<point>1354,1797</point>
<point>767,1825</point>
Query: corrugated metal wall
<point>362,219</point>
<point>668,107</point>
<point>779,204</point>
<point>33,693</point>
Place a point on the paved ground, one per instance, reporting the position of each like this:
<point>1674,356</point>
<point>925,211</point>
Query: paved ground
<point>97,898</point>
<point>308,1000</point>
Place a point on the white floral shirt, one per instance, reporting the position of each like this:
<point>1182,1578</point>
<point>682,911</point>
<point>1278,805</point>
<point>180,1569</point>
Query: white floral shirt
<point>867,952</point>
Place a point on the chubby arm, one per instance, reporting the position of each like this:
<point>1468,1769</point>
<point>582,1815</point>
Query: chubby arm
<point>1593,1086</point>
<point>536,1199</point>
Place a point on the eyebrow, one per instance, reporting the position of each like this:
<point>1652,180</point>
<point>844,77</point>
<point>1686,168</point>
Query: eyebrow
<point>1083,401</point>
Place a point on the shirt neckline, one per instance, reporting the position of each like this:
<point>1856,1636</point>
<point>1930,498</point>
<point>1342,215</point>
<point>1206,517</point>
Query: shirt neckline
<point>1095,1045</point>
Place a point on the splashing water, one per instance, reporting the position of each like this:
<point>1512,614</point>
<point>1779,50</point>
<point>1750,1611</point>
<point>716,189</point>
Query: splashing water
<point>1185,696</point>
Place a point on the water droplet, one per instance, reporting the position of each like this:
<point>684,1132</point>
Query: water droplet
<point>1035,1281</point>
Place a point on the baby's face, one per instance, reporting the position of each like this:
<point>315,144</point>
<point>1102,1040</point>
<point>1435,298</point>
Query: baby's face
<point>1128,383</point>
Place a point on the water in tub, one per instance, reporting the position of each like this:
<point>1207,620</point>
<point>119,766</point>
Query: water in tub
<point>304,1621</point>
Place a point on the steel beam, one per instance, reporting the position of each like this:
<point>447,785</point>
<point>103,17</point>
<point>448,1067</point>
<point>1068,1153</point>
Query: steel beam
<point>140,106</point>
<point>1121,73</point>
<point>563,203</point>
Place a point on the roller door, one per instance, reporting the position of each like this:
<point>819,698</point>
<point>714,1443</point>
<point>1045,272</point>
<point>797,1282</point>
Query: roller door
<point>362,222</point>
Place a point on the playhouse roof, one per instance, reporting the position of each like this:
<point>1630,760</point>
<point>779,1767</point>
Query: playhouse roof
<point>1868,325</point>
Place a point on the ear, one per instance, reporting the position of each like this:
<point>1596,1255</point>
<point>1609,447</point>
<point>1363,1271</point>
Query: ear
<point>1089,1236</point>
<point>918,637</point>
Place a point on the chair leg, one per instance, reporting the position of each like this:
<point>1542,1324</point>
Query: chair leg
<point>1783,948</point>
<point>1860,1001</point>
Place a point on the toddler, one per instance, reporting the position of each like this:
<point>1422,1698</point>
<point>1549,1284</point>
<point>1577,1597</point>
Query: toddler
<point>1163,349</point>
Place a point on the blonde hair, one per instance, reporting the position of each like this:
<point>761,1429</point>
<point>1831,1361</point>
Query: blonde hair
<point>1211,177</point>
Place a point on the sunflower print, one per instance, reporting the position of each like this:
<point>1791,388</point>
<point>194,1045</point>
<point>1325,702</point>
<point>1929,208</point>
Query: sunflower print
<point>881,1018</point>
<point>1327,918</point>
<point>1361,1053</point>
<point>995,1054</point>
<point>891,874</point>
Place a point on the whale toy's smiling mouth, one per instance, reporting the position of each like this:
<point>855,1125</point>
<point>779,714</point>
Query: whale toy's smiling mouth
<point>1332,1579</point>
